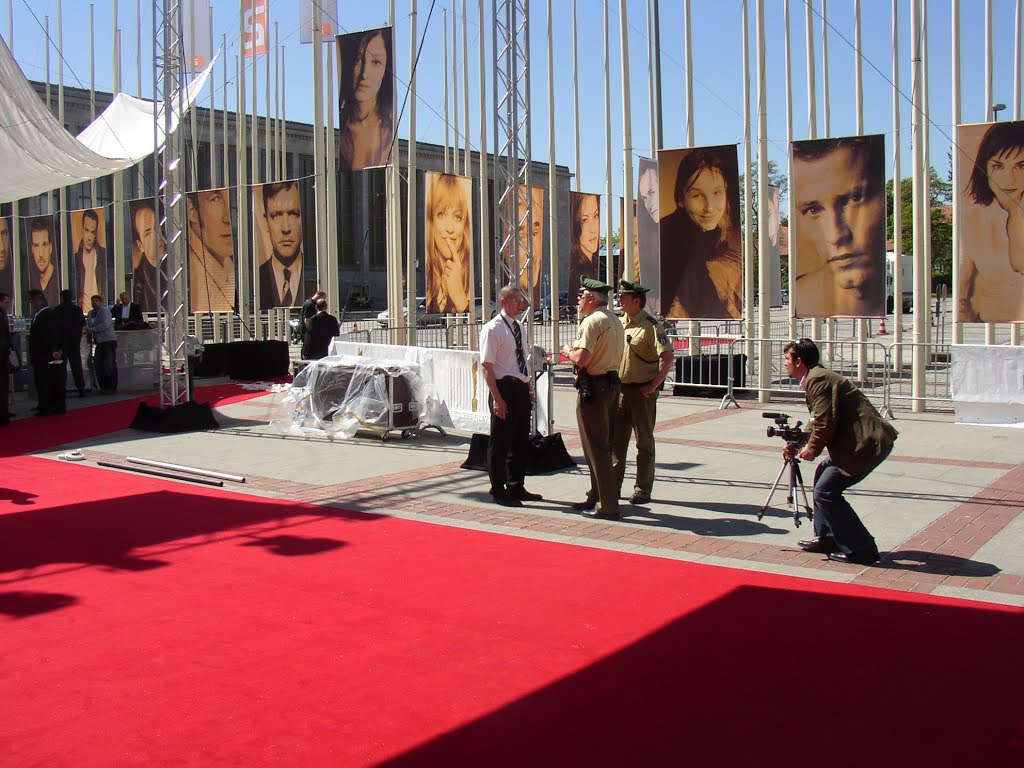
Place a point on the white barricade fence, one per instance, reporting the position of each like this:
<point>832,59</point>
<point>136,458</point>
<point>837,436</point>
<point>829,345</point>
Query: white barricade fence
<point>455,390</point>
<point>987,383</point>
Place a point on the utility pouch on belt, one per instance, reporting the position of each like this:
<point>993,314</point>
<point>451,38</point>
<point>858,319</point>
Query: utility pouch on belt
<point>584,383</point>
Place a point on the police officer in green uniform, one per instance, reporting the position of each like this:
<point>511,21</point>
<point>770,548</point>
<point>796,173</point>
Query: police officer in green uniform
<point>596,355</point>
<point>646,361</point>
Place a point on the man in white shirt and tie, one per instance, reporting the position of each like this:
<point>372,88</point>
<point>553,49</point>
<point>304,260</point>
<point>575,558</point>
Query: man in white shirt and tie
<point>503,356</point>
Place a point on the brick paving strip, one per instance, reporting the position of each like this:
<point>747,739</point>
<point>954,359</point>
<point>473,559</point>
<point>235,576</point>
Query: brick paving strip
<point>938,555</point>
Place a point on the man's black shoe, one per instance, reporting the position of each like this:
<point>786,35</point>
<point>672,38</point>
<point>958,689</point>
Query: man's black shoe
<point>586,505</point>
<point>504,500</point>
<point>864,557</point>
<point>594,514</point>
<point>822,544</point>
<point>519,492</point>
<point>640,497</point>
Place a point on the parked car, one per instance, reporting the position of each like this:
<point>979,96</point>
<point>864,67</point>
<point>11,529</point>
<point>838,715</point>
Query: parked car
<point>422,317</point>
<point>566,308</point>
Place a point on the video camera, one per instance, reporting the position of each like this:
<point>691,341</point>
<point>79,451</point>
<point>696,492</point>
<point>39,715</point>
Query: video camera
<point>794,436</point>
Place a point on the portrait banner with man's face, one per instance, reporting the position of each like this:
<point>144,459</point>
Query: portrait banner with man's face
<point>648,244</point>
<point>147,250</point>
<point>448,242</point>
<point>991,158</point>
<point>6,257</point>
<point>699,229</point>
<point>366,99</point>
<point>211,250</point>
<point>838,192</point>
<point>281,242</point>
<point>92,263</point>
<point>531,199</point>
<point>42,257</point>
<point>584,237</point>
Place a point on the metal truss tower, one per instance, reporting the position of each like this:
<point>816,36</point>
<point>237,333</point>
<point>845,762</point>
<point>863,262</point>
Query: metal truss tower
<point>169,203</point>
<point>513,211</point>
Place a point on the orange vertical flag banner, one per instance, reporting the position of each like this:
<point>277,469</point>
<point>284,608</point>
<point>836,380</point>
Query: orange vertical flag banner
<point>255,26</point>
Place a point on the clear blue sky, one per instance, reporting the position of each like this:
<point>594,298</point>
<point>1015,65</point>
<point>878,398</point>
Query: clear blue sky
<point>717,64</point>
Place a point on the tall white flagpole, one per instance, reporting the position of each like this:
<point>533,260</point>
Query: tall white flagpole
<point>255,132</point>
<point>858,87</point>
<point>485,205</point>
<point>790,212</point>
<point>224,123</point>
<point>763,241</point>
<point>319,155</point>
<point>267,143</point>
<point>575,103</point>
<point>650,77</point>
<point>748,195</point>
<point>957,104</point>
<point>990,116</point>
<point>1016,327</point>
<point>412,221</point>
<point>626,246</point>
<point>826,102</point>
<point>897,203</point>
<point>248,305</point>
<point>284,116</point>
<point>213,112</point>
<point>193,119</point>
<point>118,179</point>
<point>14,226</point>
<point>688,27</point>
<point>140,167</point>
<point>920,211</point>
<point>334,288</point>
<point>609,257</point>
<point>447,114</point>
<point>275,162</point>
<point>62,195</point>
<point>812,122</point>
<point>455,92</point>
<point>92,103</point>
<point>465,103</point>
<point>49,99</point>
<point>926,139</point>
<point>552,189</point>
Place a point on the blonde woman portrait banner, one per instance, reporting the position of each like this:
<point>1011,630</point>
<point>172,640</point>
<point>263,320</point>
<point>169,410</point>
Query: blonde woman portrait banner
<point>89,244</point>
<point>991,222</point>
<point>448,235</point>
<point>701,260</point>
<point>366,99</point>
<point>838,190</point>
<point>584,236</point>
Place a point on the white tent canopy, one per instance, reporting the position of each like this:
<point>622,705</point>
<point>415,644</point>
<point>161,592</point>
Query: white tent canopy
<point>39,155</point>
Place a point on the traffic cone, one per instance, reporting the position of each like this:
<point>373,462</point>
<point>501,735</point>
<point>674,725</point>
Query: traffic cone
<point>881,327</point>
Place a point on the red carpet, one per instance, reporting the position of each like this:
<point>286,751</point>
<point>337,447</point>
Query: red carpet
<point>148,623</point>
<point>38,434</point>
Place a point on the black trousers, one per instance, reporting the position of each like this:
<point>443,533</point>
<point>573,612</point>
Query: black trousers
<point>510,437</point>
<point>50,386</point>
<point>5,390</point>
<point>73,355</point>
<point>104,363</point>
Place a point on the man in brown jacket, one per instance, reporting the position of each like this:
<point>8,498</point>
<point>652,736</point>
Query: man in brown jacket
<point>858,440</point>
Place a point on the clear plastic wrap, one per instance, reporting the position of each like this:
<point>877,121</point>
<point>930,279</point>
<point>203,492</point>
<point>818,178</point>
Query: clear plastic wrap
<point>341,395</point>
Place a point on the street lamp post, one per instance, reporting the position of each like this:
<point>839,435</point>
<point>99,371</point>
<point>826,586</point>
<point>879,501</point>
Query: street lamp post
<point>996,109</point>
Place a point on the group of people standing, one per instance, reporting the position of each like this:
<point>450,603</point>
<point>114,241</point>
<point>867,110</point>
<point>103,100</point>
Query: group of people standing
<point>54,347</point>
<point>620,365</point>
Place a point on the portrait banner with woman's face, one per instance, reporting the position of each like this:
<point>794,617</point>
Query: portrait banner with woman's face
<point>991,231</point>
<point>211,251</point>
<point>147,250</point>
<point>701,257</point>
<point>42,259</point>
<point>584,237</point>
<point>366,99</point>
<point>91,259</point>
<point>648,245</point>
<point>531,199</point>
<point>838,190</point>
<point>278,216</point>
<point>448,242</point>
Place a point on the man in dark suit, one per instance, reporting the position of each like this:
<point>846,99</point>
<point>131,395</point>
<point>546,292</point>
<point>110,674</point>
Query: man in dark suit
<point>150,245</point>
<point>46,350</point>
<point>5,349</point>
<point>323,327</point>
<point>43,272</point>
<point>72,323</point>
<point>6,265</point>
<point>858,440</point>
<point>127,314</point>
<point>281,274</point>
<point>308,312</point>
<point>90,260</point>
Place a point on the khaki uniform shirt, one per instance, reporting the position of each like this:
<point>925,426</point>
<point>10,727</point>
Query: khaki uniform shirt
<point>646,341</point>
<point>601,334</point>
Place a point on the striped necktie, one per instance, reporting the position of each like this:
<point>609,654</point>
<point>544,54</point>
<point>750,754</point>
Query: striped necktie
<point>520,358</point>
<point>286,297</point>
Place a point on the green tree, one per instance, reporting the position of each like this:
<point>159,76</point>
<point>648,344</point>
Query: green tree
<point>942,225</point>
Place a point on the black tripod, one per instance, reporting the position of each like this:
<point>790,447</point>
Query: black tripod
<point>796,481</point>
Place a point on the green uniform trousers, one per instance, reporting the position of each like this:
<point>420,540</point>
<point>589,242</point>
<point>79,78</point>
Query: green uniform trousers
<point>594,418</point>
<point>634,413</point>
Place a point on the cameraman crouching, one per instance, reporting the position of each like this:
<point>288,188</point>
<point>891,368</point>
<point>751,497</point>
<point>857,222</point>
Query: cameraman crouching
<point>858,440</point>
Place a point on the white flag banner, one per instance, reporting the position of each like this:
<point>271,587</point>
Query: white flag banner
<point>328,20</point>
<point>196,23</point>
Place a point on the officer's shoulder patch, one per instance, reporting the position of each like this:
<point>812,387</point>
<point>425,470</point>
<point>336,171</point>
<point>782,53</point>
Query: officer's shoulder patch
<point>662,338</point>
